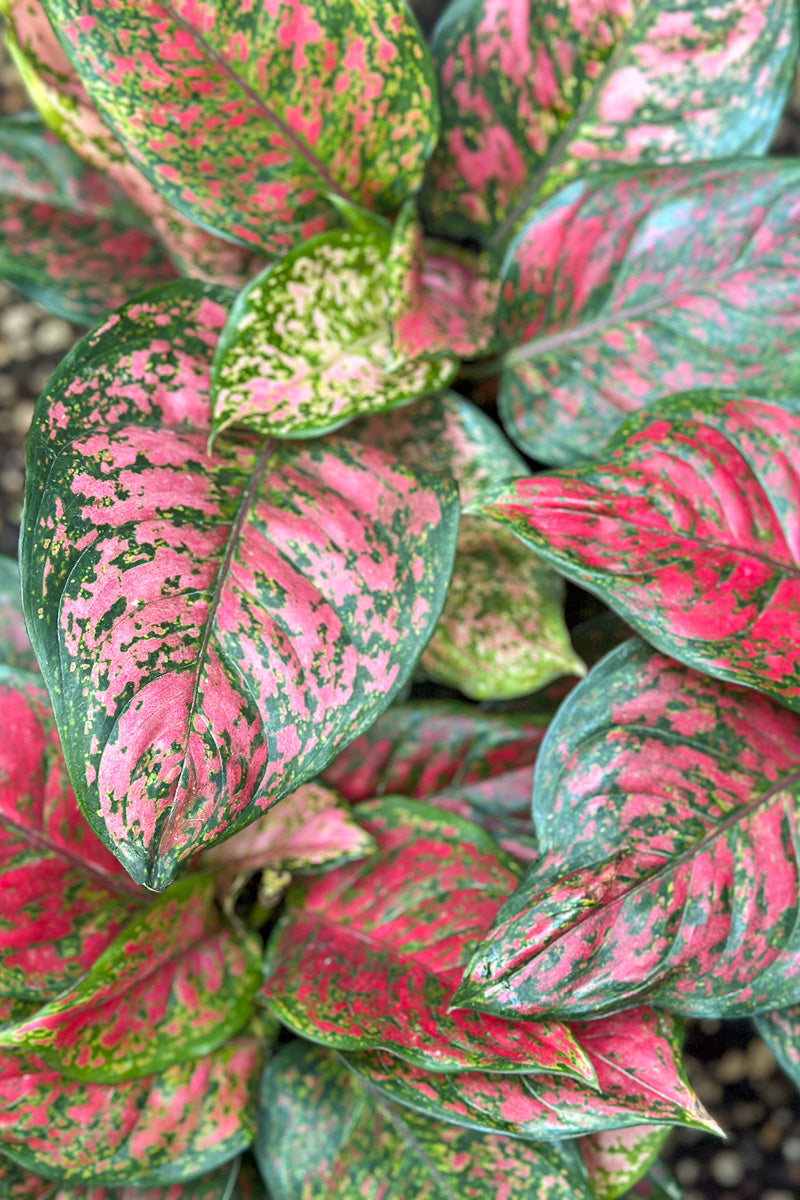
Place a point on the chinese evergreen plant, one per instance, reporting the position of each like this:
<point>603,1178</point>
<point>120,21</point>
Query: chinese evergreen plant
<point>256,892</point>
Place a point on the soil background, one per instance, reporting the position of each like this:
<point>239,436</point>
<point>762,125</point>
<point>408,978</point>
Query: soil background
<point>732,1070</point>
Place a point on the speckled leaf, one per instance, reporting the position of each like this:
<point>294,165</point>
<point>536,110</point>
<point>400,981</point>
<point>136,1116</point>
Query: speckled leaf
<point>220,1184</point>
<point>155,1131</point>
<point>617,1158</point>
<point>667,806</point>
<point>15,649</point>
<point>324,1135</point>
<point>251,151</point>
<point>501,633</point>
<point>66,108</point>
<point>307,344</point>
<point>442,299</point>
<point>536,95</point>
<point>67,897</point>
<point>441,747</point>
<point>311,828</point>
<point>637,1058</point>
<point>621,292</point>
<point>228,619</point>
<point>19,1184</point>
<point>68,239</point>
<point>368,955</point>
<point>174,985</point>
<point>689,529</point>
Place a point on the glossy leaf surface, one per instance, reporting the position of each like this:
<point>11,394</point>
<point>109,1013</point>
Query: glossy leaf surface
<point>270,599</point>
<point>501,632</point>
<point>15,649</point>
<point>636,1056</point>
<point>174,985</point>
<point>307,345</point>
<point>658,1184</point>
<point>535,95</point>
<point>368,955</point>
<point>616,293</point>
<point>68,239</point>
<point>310,828</point>
<point>67,896</point>
<point>667,808</point>
<point>616,1159</point>
<point>66,108</point>
<point>93,1134</point>
<point>688,528</point>
<point>323,1134</point>
<point>251,151</point>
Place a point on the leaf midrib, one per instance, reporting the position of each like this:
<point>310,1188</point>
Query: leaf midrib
<point>298,145</point>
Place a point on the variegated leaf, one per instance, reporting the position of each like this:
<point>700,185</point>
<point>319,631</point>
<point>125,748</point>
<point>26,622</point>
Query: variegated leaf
<point>780,1029</point>
<point>368,955</point>
<point>19,1184</point>
<point>251,150</point>
<point>618,292</point>
<point>312,827</point>
<point>68,898</point>
<point>501,633</point>
<point>156,1131</point>
<point>307,344</point>
<point>476,764</point>
<point>442,299</point>
<point>64,105</point>
<point>270,599</point>
<point>668,811</point>
<point>68,239</point>
<point>636,1056</point>
<point>15,649</point>
<point>220,1184</point>
<point>689,529</point>
<point>323,1133</point>
<point>174,985</point>
<point>658,1184</point>
<point>535,95</point>
<point>617,1158</point>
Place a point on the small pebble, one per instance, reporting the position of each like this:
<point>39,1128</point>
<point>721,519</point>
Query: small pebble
<point>52,335</point>
<point>727,1168</point>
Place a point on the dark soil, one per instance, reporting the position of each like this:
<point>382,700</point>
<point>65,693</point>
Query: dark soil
<point>732,1070</point>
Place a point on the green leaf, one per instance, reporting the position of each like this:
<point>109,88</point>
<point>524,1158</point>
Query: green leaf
<point>667,806</point>
<point>112,1134</point>
<point>174,985</point>
<point>536,95</point>
<point>780,1029</point>
<point>687,528</point>
<point>19,1184</point>
<point>307,344</point>
<point>322,1133</point>
<point>15,649</point>
<point>220,1184</point>
<point>501,633</point>
<point>658,1184</point>
<point>621,291</point>
<point>212,627</point>
<point>368,955</point>
<point>68,239</point>
<point>253,152</point>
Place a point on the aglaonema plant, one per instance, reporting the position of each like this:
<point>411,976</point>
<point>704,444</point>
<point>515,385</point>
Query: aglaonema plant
<point>326,873</point>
